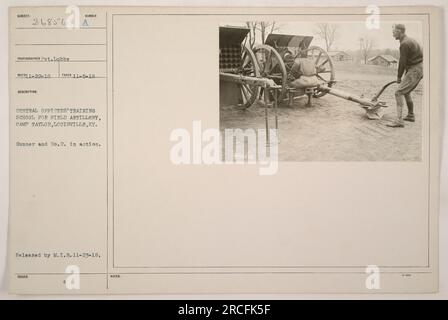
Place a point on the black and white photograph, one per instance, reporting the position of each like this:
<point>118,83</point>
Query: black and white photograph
<point>235,151</point>
<point>334,90</point>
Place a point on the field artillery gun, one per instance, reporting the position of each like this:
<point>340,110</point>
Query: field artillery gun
<point>285,67</point>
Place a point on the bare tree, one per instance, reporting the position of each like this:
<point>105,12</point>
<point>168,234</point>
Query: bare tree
<point>366,44</point>
<point>252,32</point>
<point>261,28</point>
<point>267,28</point>
<point>328,33</point>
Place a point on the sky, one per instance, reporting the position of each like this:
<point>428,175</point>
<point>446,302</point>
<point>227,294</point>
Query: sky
<point>349,33</point>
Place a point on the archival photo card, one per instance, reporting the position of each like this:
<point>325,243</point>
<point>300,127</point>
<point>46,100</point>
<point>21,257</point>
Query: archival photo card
<point>224,150</point>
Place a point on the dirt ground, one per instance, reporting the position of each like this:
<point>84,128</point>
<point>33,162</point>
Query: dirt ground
<point>334,129</point>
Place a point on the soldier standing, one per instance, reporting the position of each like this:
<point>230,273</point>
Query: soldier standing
<point>411,61</point>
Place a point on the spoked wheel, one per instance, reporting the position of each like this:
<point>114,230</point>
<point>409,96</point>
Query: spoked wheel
<point>271,66</point>
<point>249,67</point>
<point>324,67</point>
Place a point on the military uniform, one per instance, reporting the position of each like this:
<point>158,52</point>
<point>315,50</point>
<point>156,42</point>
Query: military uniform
<point>411,62</point>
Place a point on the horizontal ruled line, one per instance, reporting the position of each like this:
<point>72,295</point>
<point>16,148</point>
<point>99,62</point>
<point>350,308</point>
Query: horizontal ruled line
<point>38,78</point>
<point>60,44</point>
<point>57,28</point>
<point>267,267</point>
<point>217,272</point>
<point>61,61</point>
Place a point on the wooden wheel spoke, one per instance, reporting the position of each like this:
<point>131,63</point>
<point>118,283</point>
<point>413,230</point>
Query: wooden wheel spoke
<point>246,60</point>
<point>323,63</point>
<point>248,70</point>
<point>272,66</point>
<point>248,89</point>
<point>268,62</point>
<point>243,90</point>
<point>318,58</point>
<point>324,67</point>
<point>250,66</point>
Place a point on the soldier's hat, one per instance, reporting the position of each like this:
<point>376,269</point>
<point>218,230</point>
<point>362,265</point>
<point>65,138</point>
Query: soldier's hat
<point>400,26</point>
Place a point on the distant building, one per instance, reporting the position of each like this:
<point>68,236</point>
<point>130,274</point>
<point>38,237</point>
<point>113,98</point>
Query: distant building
<point>337,55</point>
<point>340,56</point>
<point>383,60</point>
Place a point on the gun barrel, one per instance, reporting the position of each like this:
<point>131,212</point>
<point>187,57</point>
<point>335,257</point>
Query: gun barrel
<point>348,96</point>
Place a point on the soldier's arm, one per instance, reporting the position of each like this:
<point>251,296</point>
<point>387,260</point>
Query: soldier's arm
<point>404,51</point>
